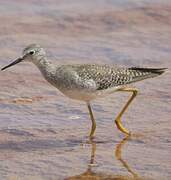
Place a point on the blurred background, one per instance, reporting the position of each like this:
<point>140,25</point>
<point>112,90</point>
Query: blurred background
<point>42,133</point>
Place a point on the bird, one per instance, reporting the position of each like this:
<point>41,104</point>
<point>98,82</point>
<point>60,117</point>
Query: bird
<point>87,82</point>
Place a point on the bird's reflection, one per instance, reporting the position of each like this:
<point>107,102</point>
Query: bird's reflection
<point>118,155</point>
<point>89,174</point>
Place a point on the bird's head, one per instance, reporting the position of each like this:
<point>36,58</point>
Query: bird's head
<point>32,53</point>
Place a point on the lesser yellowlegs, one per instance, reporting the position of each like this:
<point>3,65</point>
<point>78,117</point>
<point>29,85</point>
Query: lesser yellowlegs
<point>87,82</point>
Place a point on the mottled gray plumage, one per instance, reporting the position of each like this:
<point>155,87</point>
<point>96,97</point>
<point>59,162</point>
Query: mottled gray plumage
<point>85,81</point>
<point>106,76</point>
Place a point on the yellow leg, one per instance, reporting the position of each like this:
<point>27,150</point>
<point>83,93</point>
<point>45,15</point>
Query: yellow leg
<point>93,151</point>
<point>93,127</point>
<point>118,119</point>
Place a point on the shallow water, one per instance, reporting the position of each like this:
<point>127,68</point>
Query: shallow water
<point>43,135</point>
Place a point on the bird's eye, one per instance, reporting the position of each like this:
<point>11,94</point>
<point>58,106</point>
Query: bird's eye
<point>31,52</point>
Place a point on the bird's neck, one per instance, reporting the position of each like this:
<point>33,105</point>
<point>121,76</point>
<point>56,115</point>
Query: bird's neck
<point>45,67</point>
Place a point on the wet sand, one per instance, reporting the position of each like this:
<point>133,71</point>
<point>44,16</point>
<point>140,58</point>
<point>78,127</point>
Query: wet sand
<point>42,133</point>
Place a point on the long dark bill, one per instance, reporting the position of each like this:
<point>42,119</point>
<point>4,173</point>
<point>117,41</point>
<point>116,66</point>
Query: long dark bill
<point>13,63</point>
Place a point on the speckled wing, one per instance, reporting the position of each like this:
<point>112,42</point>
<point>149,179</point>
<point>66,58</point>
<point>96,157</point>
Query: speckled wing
<point>111,76</point>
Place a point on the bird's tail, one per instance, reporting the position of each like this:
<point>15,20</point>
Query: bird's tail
<point>144,73</point>
<point>156,71</point>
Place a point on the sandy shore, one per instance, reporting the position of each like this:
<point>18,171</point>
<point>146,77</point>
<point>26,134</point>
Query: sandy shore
<point>42,133</point>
